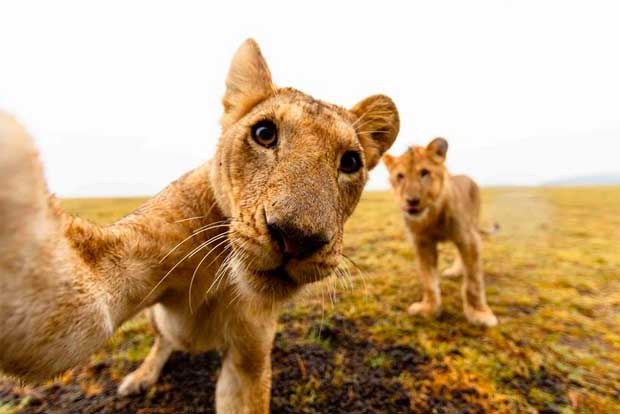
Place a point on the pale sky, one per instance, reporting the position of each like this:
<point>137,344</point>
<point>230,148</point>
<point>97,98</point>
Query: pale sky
<point>124,96</point>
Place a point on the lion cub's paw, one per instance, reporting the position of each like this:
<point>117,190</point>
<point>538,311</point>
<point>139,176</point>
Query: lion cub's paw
<point>136,383</point>
<point>424,309</point>
<point>481,317</point>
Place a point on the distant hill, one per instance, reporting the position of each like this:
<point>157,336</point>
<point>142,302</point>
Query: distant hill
<point>601,179</point>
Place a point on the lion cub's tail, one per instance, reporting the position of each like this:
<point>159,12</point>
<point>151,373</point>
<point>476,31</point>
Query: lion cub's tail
<point>491,231</point>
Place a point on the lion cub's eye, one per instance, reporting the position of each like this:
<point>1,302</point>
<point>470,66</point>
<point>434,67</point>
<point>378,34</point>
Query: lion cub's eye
<point>350,162</point>
<point>424,173</point>
<point>265,133</point>
<point>400,176</point>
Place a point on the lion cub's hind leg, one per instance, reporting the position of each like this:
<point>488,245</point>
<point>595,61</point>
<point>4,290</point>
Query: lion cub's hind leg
<point>473,292</point>
<point>148,372</point>
<point>456,269</point>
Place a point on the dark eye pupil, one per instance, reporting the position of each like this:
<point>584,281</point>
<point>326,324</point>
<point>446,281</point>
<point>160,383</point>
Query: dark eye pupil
<point>350,162</point>
<point>424,173</point>
<point>400,176</point>
<point>264,133</point>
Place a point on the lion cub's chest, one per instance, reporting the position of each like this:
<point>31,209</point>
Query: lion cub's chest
<point>439,227</point>
<point>212,325</point>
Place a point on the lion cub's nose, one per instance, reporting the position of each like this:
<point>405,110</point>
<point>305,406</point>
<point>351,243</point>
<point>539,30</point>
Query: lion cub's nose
<point>294,242</point>
<point>413,201</point>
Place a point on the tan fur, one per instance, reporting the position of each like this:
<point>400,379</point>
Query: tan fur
<point>440,207</point>
<point>66,284</point>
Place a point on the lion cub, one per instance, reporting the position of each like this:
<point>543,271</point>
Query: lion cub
<point>439,207</point>
<point>214,255</point>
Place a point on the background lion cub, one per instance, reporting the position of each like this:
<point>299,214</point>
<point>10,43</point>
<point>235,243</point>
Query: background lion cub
<point>439,207</point>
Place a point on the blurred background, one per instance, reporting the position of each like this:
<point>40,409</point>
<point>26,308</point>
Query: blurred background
<point>123,97</point>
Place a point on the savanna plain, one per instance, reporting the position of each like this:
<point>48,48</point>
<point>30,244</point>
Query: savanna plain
<point>347,344</point>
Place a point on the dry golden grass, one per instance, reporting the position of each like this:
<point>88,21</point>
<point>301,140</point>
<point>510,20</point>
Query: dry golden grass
<point>553,279</point>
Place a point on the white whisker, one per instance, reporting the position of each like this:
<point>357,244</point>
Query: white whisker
<point>191,283</point>
<point>183,241</point>
<point>211,240</point>
<point>191,253</point>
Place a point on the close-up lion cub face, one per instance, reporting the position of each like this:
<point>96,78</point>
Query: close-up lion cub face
<point>289,170</point>
<point>418,176</point>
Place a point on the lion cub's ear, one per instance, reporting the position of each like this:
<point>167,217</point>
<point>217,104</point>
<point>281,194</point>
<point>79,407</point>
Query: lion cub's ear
<point>388,160</point>
<point>437,149</point>
<point>248,83</point>
<point>377,126</point>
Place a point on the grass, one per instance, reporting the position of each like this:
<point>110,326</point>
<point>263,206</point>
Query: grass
<point>553,280</point>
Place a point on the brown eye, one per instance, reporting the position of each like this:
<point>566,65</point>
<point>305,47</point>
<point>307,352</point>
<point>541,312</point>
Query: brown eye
<point>400,176</point>
<point>424,173</point>
<point>265,133</point>
<point>350,162</point>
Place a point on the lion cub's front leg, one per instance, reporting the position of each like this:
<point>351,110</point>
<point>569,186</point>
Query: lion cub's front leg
<point>430,306</point>
<point>474,297</point>
<point>244,385</point>
<point>148,372</point>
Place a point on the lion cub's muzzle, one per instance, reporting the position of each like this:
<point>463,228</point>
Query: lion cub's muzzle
<point>287,245</point>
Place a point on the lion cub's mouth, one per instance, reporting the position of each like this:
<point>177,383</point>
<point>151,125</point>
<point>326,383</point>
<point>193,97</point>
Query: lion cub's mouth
<point>280,283</point>
<point>274,284</point>
<point>414,211</point>
<point>279,275</point>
